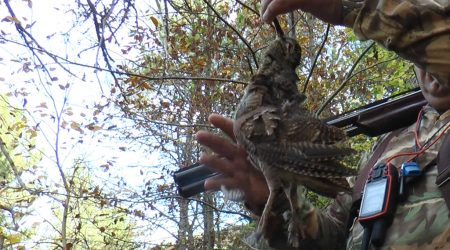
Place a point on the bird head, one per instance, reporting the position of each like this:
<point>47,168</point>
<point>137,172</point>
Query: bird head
<point>284,51</point>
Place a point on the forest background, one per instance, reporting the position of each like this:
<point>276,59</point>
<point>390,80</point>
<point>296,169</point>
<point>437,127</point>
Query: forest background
<point>100,102</point>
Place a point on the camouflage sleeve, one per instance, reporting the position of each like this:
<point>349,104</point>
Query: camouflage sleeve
<point>333,223</point>
<point>324,229</point>
<point>350,10</point>
<point>417,30</point>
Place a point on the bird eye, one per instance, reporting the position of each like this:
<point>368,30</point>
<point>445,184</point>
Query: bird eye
<point>289,47</point>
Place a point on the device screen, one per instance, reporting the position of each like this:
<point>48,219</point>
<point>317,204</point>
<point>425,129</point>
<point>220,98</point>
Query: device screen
<point>373,198</point>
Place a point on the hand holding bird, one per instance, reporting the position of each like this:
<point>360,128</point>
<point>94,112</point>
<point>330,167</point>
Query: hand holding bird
<point>284,141</point>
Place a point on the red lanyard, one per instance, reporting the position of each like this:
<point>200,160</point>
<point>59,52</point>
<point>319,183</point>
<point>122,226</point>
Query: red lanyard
<point>422,148</point>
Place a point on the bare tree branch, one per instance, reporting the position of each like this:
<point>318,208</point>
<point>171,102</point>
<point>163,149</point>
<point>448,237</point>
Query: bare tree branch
<point>11,163</point>
<point>234,29</point>
<point>346,79</point>
<point>156,78</point>
<point>249,218</point>
<point>24,34</point>
<point>248,7</point>
<point>317,57</point>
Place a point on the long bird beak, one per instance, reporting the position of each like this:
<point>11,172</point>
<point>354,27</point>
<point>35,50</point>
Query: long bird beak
<point>278,29</point>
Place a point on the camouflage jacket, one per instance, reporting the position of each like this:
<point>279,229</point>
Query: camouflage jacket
<point>422,221</point>
<point>417,30</point>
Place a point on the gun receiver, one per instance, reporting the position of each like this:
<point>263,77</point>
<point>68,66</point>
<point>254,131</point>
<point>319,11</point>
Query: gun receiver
<point>373,119</point>
<point>381,116</point>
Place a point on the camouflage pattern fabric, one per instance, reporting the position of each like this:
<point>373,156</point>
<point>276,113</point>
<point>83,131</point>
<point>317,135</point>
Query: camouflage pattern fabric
<point>421,222</point>
<point>417,30</point>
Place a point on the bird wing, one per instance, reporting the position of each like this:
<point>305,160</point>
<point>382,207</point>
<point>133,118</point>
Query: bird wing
<point>299,144</point>
<point>257,126</point>
<point>301,126</point>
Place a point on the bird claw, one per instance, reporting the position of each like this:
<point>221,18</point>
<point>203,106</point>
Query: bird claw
<point>254,239</point>
<point>295,233</point>
<point>262,225</point>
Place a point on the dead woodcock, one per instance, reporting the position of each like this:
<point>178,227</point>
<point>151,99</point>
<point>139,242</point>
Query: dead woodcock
<point>289,145</point>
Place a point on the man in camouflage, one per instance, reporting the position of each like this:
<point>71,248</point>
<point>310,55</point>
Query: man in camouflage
<point>418,30</point>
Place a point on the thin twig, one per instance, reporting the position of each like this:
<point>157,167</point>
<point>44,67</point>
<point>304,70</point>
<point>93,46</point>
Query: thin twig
<point>220,210</point>
<point>347,78</point>
<point>325,37</point>
<point>234,29</point>
<point>24,33</point>
<point>248,7</point>
<point>204,78</point>
<point>11,163</point>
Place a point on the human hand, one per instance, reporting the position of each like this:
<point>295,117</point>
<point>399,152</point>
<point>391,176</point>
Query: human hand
<point>231,160</point>
<point>272,8</point>
<point>326,10</point>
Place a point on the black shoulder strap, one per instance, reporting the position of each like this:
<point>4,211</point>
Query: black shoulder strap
<point>364,171</point>
<point>443,166</point>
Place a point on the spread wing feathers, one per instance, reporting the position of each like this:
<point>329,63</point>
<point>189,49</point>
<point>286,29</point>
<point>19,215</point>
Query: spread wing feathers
<point>307,128</point>
<point>323,186</point>
<point>295,138</point>
<point>281,159</point>
<point>322,183</point>
<point>306,150</point>
<point>324,169</point>
<point>330,169</point>
<point>295,145</point>
<point>265,119</point>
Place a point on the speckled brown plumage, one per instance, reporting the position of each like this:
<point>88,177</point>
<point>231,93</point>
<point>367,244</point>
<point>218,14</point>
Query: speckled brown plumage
<point>284,140</point>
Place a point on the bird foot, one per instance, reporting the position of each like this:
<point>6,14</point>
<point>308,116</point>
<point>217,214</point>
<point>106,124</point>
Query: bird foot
<point>295,232</point>
<point>254,239</point>
<point>262,225</point>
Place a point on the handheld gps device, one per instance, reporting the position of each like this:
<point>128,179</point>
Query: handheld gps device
<point>379,202</point>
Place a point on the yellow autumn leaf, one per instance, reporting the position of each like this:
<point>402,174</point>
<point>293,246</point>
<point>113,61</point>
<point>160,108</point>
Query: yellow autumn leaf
<point>200,62</point>
<point>13,238</point>
<point>93,128</point>
<point>76,126</point>
<point>13,19</point>
<point>145,85</point>
<point>134,81</point>
<point>154,21</point>
<point>32,133</point>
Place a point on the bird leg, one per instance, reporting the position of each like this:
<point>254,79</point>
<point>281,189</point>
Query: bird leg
<point>303,221</point>
<point>264,219</point>
<point>296,228</point>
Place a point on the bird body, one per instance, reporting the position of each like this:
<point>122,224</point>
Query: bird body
<point>283,140</point>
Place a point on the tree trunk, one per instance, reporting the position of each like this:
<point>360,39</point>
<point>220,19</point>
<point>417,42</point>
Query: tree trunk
<point>184,228</point>
<point>208,222</point>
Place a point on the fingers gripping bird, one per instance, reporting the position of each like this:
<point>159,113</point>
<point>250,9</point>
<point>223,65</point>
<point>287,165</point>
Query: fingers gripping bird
<point>284,141</point>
